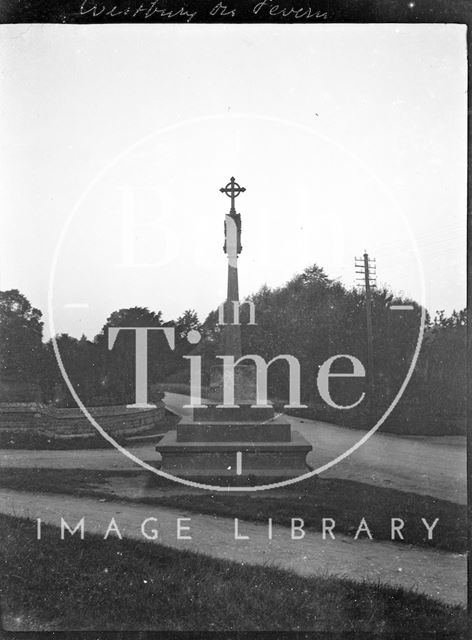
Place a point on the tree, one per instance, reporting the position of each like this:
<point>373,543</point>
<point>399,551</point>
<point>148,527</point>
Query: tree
<point>441,373</point>
<point>82,363</point>
<point>118,365</point>
<point>21,331</point>
<point>314,318</point>
<point>188,321</point>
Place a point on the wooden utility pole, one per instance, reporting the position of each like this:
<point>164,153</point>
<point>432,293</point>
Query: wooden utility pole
<point>368,271</point>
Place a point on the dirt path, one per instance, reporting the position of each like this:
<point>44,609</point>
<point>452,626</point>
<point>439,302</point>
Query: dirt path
<point>424,466</point>
<point>436,573</point>
<point>432,466</point>
<point>427,466</point>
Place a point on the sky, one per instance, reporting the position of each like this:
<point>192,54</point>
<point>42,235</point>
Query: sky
<point>117,138</point>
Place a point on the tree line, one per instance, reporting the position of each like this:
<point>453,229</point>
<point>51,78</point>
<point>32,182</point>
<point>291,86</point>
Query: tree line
<point>100,376</point>
<point>311,317</point>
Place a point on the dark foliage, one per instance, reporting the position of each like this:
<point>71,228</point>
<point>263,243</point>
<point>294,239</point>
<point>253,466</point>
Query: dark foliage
<point>315,318</point>
<point>311,317</point>
<point>21,331</point>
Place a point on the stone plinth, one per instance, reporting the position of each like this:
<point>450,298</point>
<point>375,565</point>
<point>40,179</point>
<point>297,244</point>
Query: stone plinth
<point>219,459</point>
<point>232,432</point>
<point>243,413</point>
<point>208,446</point>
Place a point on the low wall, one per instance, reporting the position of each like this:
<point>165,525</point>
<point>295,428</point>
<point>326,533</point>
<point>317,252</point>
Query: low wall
<point>118,420</point>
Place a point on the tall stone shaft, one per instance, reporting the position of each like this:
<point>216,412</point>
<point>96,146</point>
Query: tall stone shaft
<point>233,287</point>
<point>231,332</point>
<point>232,247</point>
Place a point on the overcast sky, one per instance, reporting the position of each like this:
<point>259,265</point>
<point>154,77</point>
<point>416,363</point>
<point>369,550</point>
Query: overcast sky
<point>116,140</point>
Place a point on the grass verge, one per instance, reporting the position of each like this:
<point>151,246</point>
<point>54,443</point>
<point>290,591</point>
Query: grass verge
<point>346,501</point>
<point>51,584</point>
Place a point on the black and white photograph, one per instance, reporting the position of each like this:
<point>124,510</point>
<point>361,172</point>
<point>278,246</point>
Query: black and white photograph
<point>233,321</point>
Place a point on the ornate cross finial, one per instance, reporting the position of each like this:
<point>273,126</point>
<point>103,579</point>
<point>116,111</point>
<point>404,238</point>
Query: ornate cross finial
<point>232,190</point>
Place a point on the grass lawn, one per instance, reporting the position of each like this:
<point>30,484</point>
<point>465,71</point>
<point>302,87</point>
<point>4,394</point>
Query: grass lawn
<point>345,501</point>
<point>50,584</point>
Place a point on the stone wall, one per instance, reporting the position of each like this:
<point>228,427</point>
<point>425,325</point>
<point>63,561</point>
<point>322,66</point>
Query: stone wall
<point>117,420</point>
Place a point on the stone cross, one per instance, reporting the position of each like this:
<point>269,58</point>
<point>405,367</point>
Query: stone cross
<point>232,190</point>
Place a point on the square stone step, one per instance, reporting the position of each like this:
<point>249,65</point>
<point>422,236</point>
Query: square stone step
<point>233,432</point>
<point>207,459</point>
<point>242,413</point>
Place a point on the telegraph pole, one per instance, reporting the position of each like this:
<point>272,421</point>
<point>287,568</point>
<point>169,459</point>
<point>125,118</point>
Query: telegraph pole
<point>367,268</point>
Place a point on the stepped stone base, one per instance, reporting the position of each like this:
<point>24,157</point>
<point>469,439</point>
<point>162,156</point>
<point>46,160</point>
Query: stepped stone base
<point>242,413</point>
<point>232,432</point>
<point>274,459</point>
<point>209,445</point>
